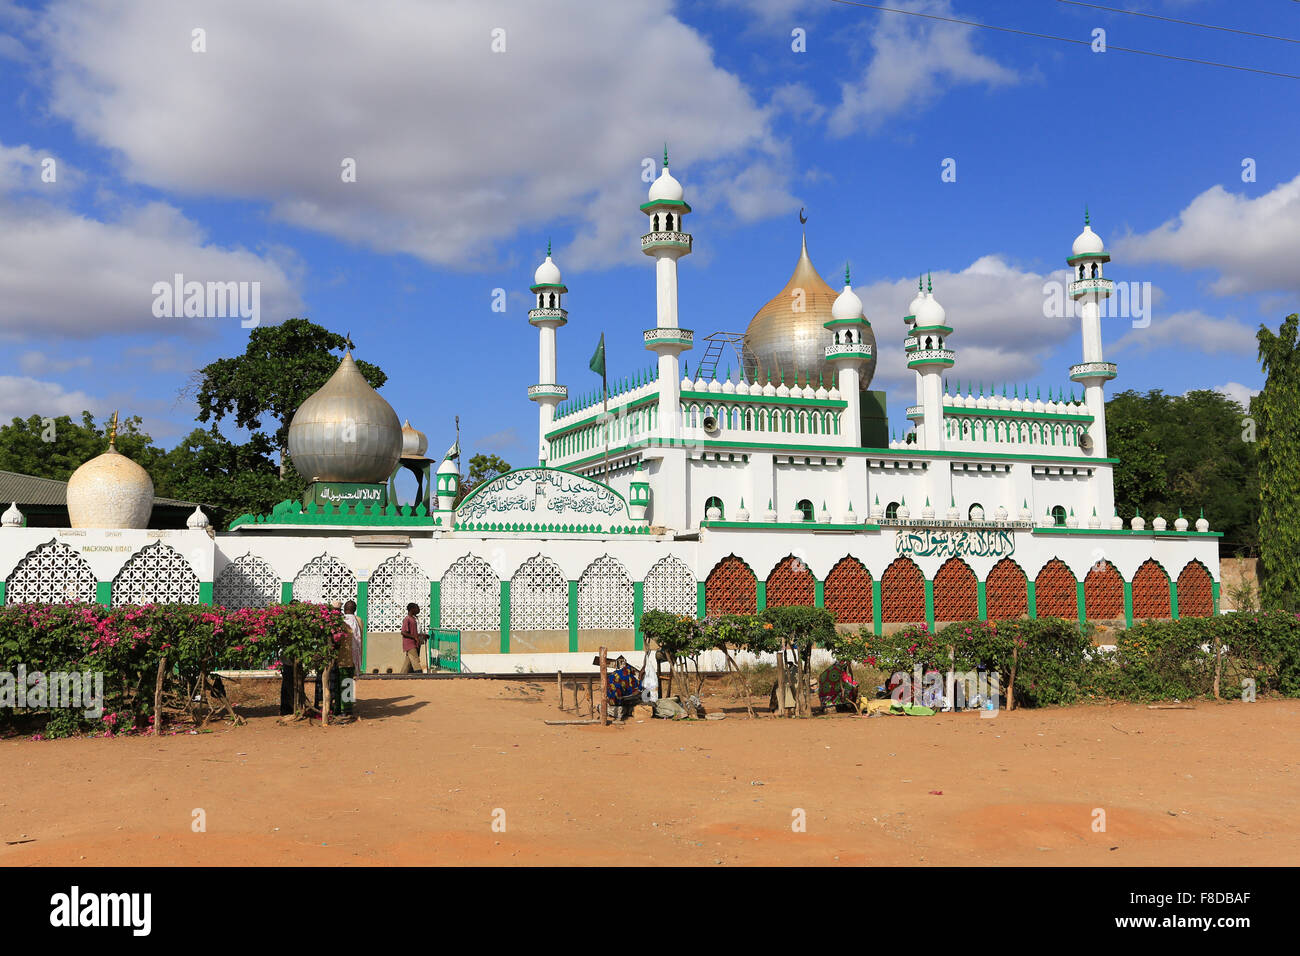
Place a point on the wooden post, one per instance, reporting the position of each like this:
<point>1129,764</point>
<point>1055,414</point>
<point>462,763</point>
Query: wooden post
<point>780,680</point>
<point>951,688</point>
<point>604,683</point>
<point>325,694</point>
<point>1011,686</point>
<point>559,686</point>
<point>591,702</point>
<point>157,697</point>
<point>1218,664</point>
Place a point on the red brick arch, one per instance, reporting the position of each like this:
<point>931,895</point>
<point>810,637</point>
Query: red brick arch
<point>1006,591</point>
<point>1055,591</point>
<point>847,592</point>
<point>902,593</point>
<point>791,584</point>
<point>956,596</point>
<point>1195,591</point>
<point>1151,591</point>
<point>1103,592</point>
<point>731,588</point>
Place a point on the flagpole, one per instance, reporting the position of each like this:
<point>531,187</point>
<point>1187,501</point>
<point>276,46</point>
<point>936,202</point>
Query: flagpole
<point>604,388</point>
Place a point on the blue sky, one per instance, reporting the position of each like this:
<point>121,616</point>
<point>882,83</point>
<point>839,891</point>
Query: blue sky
<point>225,165</point>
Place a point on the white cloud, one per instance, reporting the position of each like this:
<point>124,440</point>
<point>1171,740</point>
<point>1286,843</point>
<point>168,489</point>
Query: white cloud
<point>457,147</point>
<point>913,62</point>
<point>21,397</point>
<point>1241,394</point>
<point>38,363</point>
<point>1249,243</point>
<point>1188,331</point>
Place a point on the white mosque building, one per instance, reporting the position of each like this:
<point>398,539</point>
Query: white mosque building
<point>774,483</point>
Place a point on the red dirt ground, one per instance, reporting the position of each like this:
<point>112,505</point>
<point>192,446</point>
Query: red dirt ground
<point>417,780</point>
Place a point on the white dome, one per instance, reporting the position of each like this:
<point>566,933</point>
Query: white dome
<point>197,520</point>
<point>548,273</point>
<point>665,188</point>
<point>847,305</point>
<point>1087,243</point>
<point>12,518</point>
<point>110,491</point>
<point>930,312</point>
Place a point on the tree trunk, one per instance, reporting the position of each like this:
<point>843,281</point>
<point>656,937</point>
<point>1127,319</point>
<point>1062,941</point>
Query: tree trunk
<point>325,676</point>
<point>604,688</point>
<point>1011,685</point>
<point>744,685</point>
<point>1218,665</point>
<point>780,681</point>
<point>157,697</point>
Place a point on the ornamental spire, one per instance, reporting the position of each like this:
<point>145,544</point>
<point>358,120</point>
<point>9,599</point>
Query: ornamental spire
<point>665,154</point>
<point>929,282</point>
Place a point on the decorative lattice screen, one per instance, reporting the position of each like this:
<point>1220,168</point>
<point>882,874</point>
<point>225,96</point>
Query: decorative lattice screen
<point>670,586</point>
<point>902,593</point>
<point>539,596</point>
<point>1055,591</point>
<point>51,574</point>
<point>731,588</point>
<point>955,596</point>
<point>1103,592</point>
<point>156,574</point>
<point>1006,591</point>
<point>1151,591</point>
<point>325,580</point>
<point>791,584</point>
<point>847,592</point>
<point>470,596</point>
<point>604,596</point>
<point>393,585</point>
<point>247,581</point>
<point>1195,591</point>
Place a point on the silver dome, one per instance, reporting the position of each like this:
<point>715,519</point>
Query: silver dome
<point>345,431</point>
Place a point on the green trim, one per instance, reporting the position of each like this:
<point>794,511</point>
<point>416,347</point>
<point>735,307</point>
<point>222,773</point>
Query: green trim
<point>363,603</point>
<point>1052,529</point>
<point>1031,598</point>
<point>2,593</point>
<point>1128,603</point>
<point>947,363</point>
<point>877,624</point>
<point>638,608</point>
<point>104,593</point>
<point>675,203</point>
<point>716,397</point>
<point>965,411</point>
<point>860,320</point>
<point>1173,598</point>
<point>981,600</point>
<point>1214,594</point>
<point>701,603</point>
<point>650,399</point>
<point>841,450</point>
<point>286,592</point>
<point>1080,603</point>
<point>573,617</point>
<point>929,604</point>
<point>435,605</point>
<point>760,595</point>
<point>922,329</point>
<point>819,593</point>
<point>789,526</point>
<point>1082,257</point>
<point>205,593</point>
<point>548,285</point>
<point>505,617</point>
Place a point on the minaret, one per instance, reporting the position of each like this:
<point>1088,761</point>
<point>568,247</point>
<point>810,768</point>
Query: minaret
<point>851,348</point>
<point>1088,287</point>
<point>667,242</point>
<point>548,315</point>
<point>928,355</point>
<point>909,320</point>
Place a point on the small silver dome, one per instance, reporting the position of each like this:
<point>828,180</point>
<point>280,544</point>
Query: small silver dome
<point>414,442</point>
<point>346,431</point>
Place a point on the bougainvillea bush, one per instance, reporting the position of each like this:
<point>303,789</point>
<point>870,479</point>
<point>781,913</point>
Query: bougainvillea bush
<point>126,645</point>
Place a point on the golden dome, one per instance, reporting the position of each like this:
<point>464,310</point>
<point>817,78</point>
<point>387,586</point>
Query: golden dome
<point>110,491</point>
<point>787,338</point>
<point>345,431</point>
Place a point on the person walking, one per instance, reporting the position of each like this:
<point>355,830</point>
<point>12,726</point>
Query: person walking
<point>350,657</point>
<point>412,640</point>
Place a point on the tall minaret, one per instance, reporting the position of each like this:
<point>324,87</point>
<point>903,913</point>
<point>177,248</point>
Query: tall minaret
<point>928,355</point>
<point>1088,287</point>
<point>851,348</point>
<point>548,315</point>
<point>909,320</point>
<point>667,242</point>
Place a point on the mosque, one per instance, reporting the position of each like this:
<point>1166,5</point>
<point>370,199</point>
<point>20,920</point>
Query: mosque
<point>775,483</point>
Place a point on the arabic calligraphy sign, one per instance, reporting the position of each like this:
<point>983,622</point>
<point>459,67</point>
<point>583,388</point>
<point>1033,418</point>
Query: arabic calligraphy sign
<point>541,495</point>
<point>927,542</point>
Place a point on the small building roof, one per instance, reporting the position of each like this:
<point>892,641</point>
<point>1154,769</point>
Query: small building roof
<point>52,493</point>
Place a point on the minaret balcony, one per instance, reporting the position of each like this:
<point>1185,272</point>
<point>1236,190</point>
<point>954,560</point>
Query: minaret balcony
<point>1089,370</point>
<point>849,350</point>
<point>669,338</point>
<point>1081,287</point>
<point>544,393</point>
<point>555,317</point>
<point>915,411</point>
<point>927,357</point>
<point>678,242</point>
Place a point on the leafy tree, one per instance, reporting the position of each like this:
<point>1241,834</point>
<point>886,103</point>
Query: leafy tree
<point>230,479</point>
<point>1188,452</point>
<point>482,468</point>
<point>1275,410</point>
<point>55,449</point>
<point>280,368</point>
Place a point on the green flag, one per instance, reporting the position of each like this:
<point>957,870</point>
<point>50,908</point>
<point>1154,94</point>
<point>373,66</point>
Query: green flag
<point>597,363</point>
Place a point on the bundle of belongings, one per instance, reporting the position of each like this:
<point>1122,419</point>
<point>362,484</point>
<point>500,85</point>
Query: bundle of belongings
<point>837,689</point>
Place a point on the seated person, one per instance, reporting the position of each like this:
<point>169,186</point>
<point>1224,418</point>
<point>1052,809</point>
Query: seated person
<point>836,687</point>
<point>622,689</point>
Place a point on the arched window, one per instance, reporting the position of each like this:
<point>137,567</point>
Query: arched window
<point>1058,515</point>
<point>806,508</point>
<point>1094,270</point>
<point>970,512</point>
<point>891,510</point>
<point>156,574</point>
<point>714,502</point>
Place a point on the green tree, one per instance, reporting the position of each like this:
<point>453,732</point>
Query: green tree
<point>55,448</point>
<point>1188,452</point>
<point>482,468</point>
<point>1275,410</point>
<point>280,368</point>
<point>230,479</point>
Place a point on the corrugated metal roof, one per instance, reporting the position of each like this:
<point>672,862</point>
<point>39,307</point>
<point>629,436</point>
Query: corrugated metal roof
<point>49,492</point>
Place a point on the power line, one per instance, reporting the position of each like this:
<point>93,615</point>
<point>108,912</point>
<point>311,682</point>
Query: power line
<point>1049,36</point>
<point>1187,23</point>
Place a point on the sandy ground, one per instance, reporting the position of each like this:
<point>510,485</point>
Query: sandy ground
<point>422,776</point>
